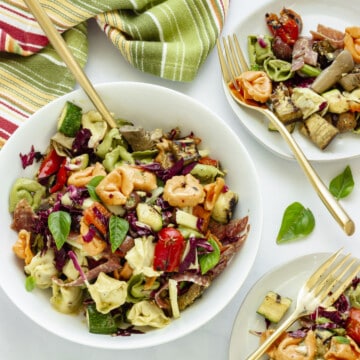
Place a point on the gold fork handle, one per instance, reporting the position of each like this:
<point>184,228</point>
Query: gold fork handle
<point>334,207</point>
<point>62,49</point>
<point>274,336</point>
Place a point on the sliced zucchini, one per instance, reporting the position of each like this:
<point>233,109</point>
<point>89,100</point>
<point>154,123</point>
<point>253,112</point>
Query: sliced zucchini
<point>224,207</point>
<point>99,323</point>
<point>320,131</point>
<point>283,106</point>
<point>148,215</point>
<point>274,306</point>
<point>70,119</point>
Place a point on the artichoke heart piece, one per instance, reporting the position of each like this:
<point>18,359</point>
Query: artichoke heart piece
<point>283,106</point>
<point>308,101</point>
<point>338,103</point>
<point>320,131</point>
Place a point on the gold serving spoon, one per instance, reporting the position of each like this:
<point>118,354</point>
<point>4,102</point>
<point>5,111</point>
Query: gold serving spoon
<point>62,49</point>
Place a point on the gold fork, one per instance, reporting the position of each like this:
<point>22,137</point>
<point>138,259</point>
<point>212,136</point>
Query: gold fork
<point>232,65</point>
<point>322,288</point>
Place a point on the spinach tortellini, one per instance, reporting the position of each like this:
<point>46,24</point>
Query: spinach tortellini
<point>27,189</point>
<point>278,70</point>
<point>137,290</point>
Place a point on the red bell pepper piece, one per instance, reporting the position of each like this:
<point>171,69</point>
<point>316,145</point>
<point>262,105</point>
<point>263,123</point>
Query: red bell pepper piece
<point>97,215</point>
<point>50,164</point>
<point>61,177</point>
<point>168,250</point>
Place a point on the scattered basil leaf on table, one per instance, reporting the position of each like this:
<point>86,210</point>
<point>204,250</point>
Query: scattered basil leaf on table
<point>59,223</point>
<point>297,222</point>
<point>343,184</point>
<point>118,229</point>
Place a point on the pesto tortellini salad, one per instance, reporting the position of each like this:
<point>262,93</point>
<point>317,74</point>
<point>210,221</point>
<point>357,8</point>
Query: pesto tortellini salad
<point>310,81</point>
<point>124,225</point>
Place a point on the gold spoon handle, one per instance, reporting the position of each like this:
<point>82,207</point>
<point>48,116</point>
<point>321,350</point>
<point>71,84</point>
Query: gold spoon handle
<point>62,49</point>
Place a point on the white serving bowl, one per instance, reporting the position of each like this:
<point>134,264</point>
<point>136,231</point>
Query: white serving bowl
<point>150,106</point>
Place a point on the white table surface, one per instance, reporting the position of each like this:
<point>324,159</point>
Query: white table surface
<point>282,182</point>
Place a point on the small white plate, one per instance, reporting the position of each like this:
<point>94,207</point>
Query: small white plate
<point>330,13</point>
<point>286,280</point>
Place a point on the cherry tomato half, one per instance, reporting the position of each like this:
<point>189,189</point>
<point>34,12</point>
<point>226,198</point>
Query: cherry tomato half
<point>287,26</point>
<point>353,325</point>
<point>168,249</point>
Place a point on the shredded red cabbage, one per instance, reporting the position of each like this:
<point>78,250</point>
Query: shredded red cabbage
<point>28,159</point>
<point>90,234</point>
<point>81,141</point>
<point>77,266</point>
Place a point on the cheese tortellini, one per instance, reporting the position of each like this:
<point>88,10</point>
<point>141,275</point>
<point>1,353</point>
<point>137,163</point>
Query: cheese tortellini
<point>42,269</point>
<point>146,313</point>
<point>108,293</point>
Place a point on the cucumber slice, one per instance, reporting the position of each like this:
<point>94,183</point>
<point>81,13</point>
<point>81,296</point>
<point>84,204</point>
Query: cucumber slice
<point>186,219</point>
<point>274,306</point>
<point>99,323</point>
<point>70,119</point>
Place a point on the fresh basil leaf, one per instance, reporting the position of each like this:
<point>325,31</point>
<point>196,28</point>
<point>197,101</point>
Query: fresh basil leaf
<point>93,183</point>
<point>30,283</point>
<point>297,222</point>
<point>118,228</point>
<point>341,339</point>
<point>208,261</point>
<point>343,184</point>
<point>59,223</point>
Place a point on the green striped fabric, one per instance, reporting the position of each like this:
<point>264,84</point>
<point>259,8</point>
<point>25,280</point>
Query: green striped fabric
<point>168,38</point>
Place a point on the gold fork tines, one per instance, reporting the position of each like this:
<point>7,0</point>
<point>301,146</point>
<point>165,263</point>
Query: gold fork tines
<point>322,288</point>
<point>233,64</point>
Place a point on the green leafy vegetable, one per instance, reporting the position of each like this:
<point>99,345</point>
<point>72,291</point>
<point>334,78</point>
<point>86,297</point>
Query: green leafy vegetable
<point>342,339</point>
<point>297,222</point>
<point>118,229</point>
<point>59,223</point>
<point>30,283</point>
<point>343,184</point>
<point>93,183</point>
<point>208,261</point>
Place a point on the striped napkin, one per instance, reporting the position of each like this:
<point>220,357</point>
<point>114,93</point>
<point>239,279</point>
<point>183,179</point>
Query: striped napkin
<point>168,38</point>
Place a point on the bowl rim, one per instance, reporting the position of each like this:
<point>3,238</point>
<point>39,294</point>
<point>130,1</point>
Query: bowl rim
<point>161,336</point>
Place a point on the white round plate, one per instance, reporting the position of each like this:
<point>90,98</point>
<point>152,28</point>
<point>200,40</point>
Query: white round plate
<point>330,13</point>
<point>286,280</point>
<point>152,107</point>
